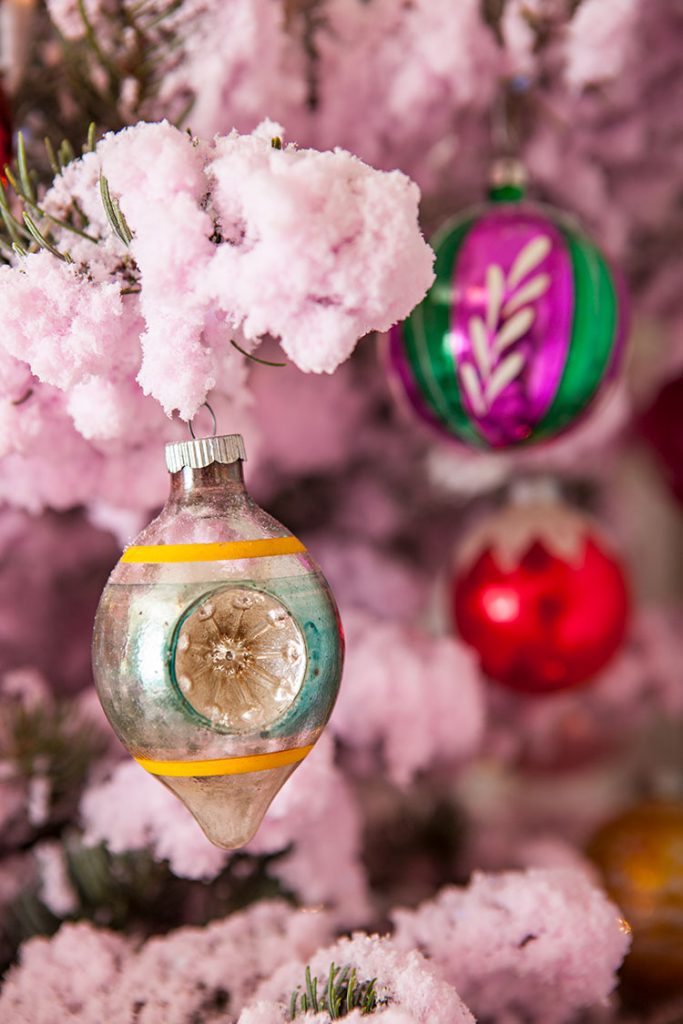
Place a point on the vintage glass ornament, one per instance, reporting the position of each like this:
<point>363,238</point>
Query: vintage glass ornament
<point>218,649</point>
<point>540,597</point>
<point>522,326</point>
<point>640,856</point>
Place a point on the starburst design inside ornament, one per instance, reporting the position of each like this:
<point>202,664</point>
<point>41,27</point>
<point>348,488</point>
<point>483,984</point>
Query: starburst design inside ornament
<point>240,659</point>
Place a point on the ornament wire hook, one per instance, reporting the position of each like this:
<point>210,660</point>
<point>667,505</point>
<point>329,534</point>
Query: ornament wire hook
<point>213,419</point>
<point>507,115</point>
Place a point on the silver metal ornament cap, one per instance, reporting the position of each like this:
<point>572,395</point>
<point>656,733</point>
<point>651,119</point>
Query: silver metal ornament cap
<point>202,451</point>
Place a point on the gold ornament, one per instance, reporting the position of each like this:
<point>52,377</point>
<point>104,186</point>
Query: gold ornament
<point>640,855</point>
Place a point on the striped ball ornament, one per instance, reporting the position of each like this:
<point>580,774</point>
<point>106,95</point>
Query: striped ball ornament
<point>522,326</point>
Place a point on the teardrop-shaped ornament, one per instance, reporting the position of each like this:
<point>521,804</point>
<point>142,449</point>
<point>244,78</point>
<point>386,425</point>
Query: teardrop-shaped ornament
<point>218,650</point>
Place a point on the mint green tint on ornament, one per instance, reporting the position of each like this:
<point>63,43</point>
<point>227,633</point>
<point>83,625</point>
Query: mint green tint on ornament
<point>218,649</point>
<point>522,327</point>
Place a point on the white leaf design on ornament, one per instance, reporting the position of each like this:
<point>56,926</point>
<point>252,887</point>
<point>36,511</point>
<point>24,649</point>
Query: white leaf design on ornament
<point>533,289</point>
<point>472,387</point>
<point>502,375</point>
<point>480,345</point>
<point>507,320</point>
<point>533,253</point>
<point>512,330</point>
<point>495,287</point>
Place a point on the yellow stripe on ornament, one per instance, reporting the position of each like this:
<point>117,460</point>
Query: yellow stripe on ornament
<point>227,551</point>
<point>226,765</point>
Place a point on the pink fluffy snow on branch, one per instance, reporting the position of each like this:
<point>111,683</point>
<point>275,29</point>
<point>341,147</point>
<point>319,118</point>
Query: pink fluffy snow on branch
<point>408,990</point>
<point>382,706</point>
<point>315,249</point>
<point>87,975</point>
<point>542,943</point>
<point>229,240</point>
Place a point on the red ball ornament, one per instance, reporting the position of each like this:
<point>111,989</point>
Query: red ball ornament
<point>540,598</point>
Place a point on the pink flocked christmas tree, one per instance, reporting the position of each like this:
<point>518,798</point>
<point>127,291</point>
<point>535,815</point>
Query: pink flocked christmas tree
<point>222,208</point>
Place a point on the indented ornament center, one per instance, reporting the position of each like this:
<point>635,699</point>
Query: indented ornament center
<point>240,658</point>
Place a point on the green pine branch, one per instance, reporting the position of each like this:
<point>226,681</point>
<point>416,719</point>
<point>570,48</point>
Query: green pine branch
<point>136,893</point>
<point>339,994</point>
<point>51,742</point>
<point>142,43</point>
<point>27,227</point>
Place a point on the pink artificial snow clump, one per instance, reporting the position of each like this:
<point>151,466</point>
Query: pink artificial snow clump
<point>322,247</point>
<point>85,975</point>
<point>238,61</point>
<point>313,248</point>
<point>67,977</point>
<point>400,85</point>
<point>425,66</point>
<point>67,328</point>
<point>545,943</point>
<point>194,972</point>
<point>231,240</point>
<point>600,41</point>
<point>416,697</point>
<point>408,988</point>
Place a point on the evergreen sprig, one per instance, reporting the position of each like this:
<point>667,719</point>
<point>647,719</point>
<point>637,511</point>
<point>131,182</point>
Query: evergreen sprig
<point>50,741</point>
<point>26,225</point>
<point>136,893</point>
<point>114,213</point>
<point>339,994</point>
<point>142,41</point>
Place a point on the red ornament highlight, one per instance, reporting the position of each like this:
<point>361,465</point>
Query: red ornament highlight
<point>545,608</point>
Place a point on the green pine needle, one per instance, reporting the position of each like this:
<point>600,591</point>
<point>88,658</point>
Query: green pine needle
<point>52,156</point>
<point>24,174</point>
<point>255,359</point>
<point>15,230</point>
<point>23,228</point>
<point>51,741</point>
<point>66,153</point>
<point>43,242</point>
<point>114,213</point>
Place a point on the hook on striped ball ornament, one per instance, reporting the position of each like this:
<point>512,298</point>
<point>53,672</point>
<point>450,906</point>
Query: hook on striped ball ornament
<point>218,649</point>
<point>522,326</point>
<point>540,597</point>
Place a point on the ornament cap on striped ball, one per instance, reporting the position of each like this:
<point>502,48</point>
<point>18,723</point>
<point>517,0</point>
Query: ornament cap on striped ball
<point>523,325</point>
<point>217,650</point>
